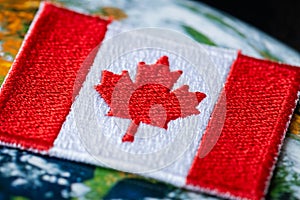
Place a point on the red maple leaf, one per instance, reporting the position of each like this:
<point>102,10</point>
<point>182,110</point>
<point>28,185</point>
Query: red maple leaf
<point>149,99</point>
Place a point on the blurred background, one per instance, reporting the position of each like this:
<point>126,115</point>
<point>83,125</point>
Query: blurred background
<point>275,17</point>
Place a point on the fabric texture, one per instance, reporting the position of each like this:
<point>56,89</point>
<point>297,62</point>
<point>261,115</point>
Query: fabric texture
<point>150,98</point>
<point>37,94</point>
<point>70,142</point>
<point>260,98</point>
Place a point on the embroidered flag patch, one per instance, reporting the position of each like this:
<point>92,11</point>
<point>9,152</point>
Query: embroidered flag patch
<point>150,102</point>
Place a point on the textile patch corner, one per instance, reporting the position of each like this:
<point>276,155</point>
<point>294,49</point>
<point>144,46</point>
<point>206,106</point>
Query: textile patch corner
<point>260,98</point>
<point>28,117</point>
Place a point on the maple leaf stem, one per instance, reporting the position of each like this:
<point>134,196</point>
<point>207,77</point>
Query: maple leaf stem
<point>131,131</point>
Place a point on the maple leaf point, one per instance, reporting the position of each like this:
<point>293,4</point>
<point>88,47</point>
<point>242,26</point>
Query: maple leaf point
<point>149,99</point>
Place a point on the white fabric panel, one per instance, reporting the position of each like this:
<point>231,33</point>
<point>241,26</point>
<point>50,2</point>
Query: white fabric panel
<point>88,135</point>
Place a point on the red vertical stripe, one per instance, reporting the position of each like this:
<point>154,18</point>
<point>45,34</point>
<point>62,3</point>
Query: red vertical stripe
<point>260,98</point>
<point>37,95</point>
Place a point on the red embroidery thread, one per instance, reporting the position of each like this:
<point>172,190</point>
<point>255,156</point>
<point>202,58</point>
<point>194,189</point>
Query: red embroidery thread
<point>37,94</point>
<point>260,97</point>
<point>149,99</point>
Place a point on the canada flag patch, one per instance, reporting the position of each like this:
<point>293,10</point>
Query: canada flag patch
<point>147,101</point>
